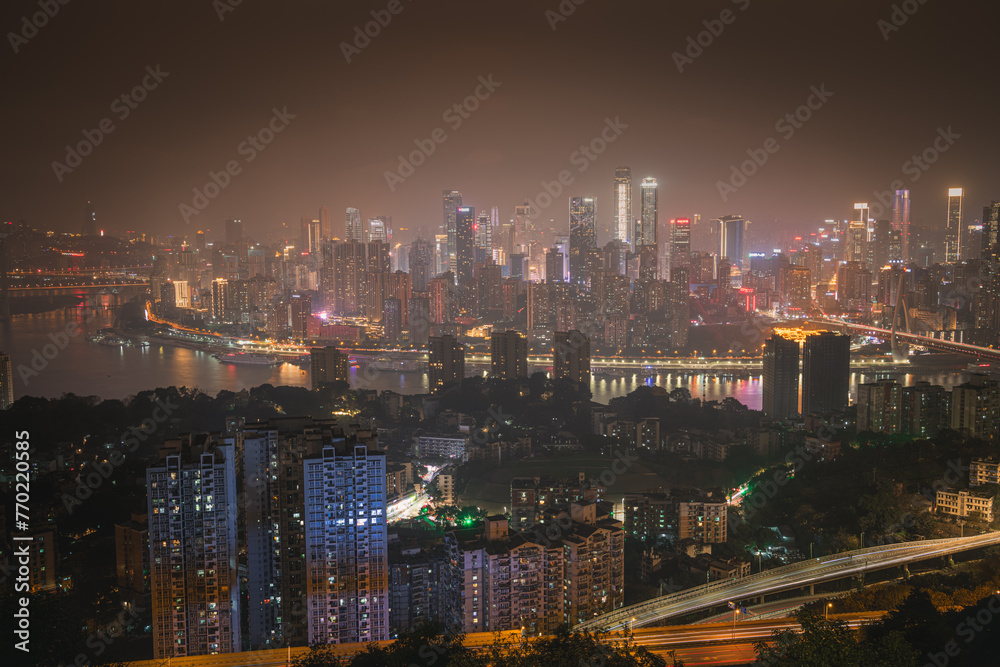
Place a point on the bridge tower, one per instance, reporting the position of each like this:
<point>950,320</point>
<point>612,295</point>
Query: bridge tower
<point>900,350</point>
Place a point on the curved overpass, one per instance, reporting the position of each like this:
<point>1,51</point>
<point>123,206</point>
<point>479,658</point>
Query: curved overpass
<point>914,339</point>
<point>796,575</point>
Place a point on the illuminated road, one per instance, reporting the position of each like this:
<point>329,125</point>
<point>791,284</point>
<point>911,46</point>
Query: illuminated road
<point>718,643</point>
<point>796,575</point>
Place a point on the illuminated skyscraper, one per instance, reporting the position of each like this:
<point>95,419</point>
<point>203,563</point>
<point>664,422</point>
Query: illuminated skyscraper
<point>622,223</point>
<point>901,221</point>
<point>826,373</point>
<point>193,552</point>
<point>328,364</point>
<point>680,243</point>
<point>732,228</point>
<point>465,243</point>
<point>324,223</point>
<point>380,229</point>
<point>647,221</point>
<point>347,544</point>
<point>953,227</point>
<point>571,356</point>
<point>353,228</point>
<point>582,236</point>
<point>451,201</point>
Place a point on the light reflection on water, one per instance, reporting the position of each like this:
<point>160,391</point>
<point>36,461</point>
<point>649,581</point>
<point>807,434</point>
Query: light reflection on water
<point>87,368</point>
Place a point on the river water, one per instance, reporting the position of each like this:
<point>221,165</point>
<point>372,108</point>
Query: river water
<point>87,368</point>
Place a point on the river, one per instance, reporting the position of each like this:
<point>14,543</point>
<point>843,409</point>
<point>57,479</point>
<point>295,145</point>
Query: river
<point>86,368</point>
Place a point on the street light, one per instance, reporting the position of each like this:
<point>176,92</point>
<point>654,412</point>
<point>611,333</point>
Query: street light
<point>827,615</point>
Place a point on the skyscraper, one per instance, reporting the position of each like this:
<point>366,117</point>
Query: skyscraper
<point>193,550</point>
<point>826,373</point>
<point>953,227</point>
<point>234,231</point>
<point>220,299</point>
<point>901,221</point>
<point>571,356</point>
<point>328,364</point>
<point>781,378</point>
<point>354,230</point>
<point>446,361</point>
<point>324,223</point>
<point>648,219</point>
<point>392,320</point>
<point>988,300</point>
<point>465,243</point>
<point>451,201</point>
<point>622,211</point>
<point>508,355</point>
<point>582,236</point>
<point>347,559</point>
<point>6,381</point>
<point>421,264</point>
<point>732,229</point>
<point>519,239</point>
<point>680,243</point>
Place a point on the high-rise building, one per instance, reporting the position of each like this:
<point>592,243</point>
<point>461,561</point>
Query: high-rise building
<point>554,263</point>
<point>446,361</point>
<point>648,218</point>
<point>193,551</point>
<point>220,299</point>
<point>988,300</point>
<point>132,554</point>
<point>826,373</point>
<point>6,381</point>
<point>354,230</point>
<point>901,221</point>
<point>680,243</point>
<point>780,395</point>
<point>953,227</point>
<point>582,236</point>
<point>329,364</point>
<point>703,519</point>
<point>378,229</point>
<point>346,540</point>
<point>419,309</point>
<point>392,320</point>
<point>421,264</point>
<point>234,231</point>
<point>508,355</point>
<point>519,232</point>
<point>571,356</point>
<point>732,229</point>
<point>451,201</point>
<point>324,223</point>
<point>465,244</point>
<point>975,407</point>
<point>621,227</point>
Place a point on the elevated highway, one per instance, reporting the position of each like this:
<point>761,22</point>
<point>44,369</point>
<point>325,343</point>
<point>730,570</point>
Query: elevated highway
<point>797,575</point>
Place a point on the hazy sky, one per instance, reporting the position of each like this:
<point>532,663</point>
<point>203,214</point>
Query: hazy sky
<point>891,92</point>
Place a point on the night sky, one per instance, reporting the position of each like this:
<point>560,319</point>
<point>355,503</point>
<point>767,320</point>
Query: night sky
<point>557,87</point>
